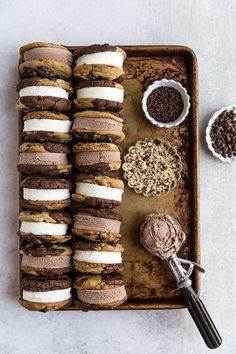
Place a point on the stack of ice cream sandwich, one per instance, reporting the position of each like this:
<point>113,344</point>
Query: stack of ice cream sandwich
<point>43,97</point>
<point>48,252</point>
<point>97,129</point>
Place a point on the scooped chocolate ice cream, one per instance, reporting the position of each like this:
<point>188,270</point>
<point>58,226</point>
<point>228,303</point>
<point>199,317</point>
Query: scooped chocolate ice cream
<point>161,235</point>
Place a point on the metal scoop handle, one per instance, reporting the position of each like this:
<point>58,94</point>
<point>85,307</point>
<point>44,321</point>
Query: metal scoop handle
<point>201,318</point>
<point>194,304</point>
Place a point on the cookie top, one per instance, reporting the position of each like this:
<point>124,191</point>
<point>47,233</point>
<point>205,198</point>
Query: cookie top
<point>45,115</point>
<point>99,114</point>
<point>98,83</point>
<point>37,81</point>
<point>31,249</point>
<point>98,247</point>
<point>97,48</point>
<point>44,147</point>
<point>99,213</point>
<point>80,147</point>
<point>98,282</point>
<point>54,217</point>
<point>42,284</point>
<point>32,45</point>
<point>101,181</point>
<point>43,182</point>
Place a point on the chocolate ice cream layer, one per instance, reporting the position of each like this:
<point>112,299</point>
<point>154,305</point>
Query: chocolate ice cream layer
<point>97,156</point>
<point>48,262</point>
<point>43,158</point>
<point>98,297</point>
<point>97,124</point>
<point>88,222</point>
<point>161,235</point>
<point>47,53</point>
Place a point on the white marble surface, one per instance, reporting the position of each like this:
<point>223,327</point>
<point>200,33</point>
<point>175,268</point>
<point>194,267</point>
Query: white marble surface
<point>209,28</point>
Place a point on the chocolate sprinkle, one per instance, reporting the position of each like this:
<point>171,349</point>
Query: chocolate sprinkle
<point>223,134</point>
<point>165,104</point>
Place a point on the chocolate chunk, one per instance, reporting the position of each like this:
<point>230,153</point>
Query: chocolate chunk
<point>114,279</point>
<point>165,104</point>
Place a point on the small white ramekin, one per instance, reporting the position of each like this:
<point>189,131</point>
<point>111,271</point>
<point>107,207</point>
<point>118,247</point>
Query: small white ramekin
<point>208,131</point>
<point>185,97</point>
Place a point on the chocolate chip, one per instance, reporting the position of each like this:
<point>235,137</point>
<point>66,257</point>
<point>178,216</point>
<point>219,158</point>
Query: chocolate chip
<point>223,134</point>
<point>165,104</point>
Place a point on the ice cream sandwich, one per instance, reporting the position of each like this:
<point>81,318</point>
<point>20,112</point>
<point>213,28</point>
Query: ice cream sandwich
<point>41,126</point>
<point>98,225</point>
<point>96,292</point>
<point>44,158</point>
<point>45,259</point>
<point>40,293</point>
<point>98,191</point>
<point>45,94</point>
<point>102,95</point>
<point>96,258</point>
<point>96,157</point>
<point>98,126</point>
<point>44,193</point>
<point>45,60</point>
<point>45,226</point>
<point>99,62</point>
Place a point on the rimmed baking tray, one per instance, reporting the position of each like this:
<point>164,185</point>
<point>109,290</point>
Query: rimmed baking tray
<point>149,282</point>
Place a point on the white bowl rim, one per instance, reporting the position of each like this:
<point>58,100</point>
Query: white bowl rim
<point>180,89</point>
<point>231,107</point>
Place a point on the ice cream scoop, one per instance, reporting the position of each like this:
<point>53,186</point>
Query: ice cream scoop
<point>162,236</point>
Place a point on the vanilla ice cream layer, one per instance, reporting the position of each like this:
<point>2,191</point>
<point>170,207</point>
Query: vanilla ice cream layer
<point>45,194</point>
<point>97,257</point>
<point>44,91</point>
<point>47,296</point>
<point>96,191</point>
<point>43,228</point>
<point>103,93</point>
<point>47,125</point>
<point>105,58</point>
